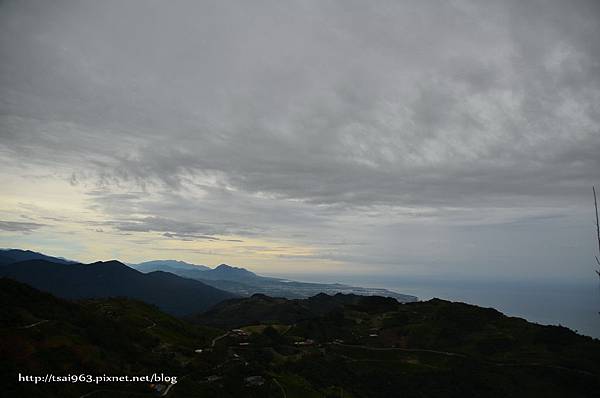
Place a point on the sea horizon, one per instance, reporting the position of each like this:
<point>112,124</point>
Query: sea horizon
<point>574,304</point>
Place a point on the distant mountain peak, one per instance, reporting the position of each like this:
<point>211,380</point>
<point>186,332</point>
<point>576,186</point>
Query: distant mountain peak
<point>230,269</point>
<point>227,266</point>
<point>166,265</point>
<point>260,296</point>
<point>109,263</point>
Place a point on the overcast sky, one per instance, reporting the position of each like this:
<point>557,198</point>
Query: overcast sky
<point>434,138</point>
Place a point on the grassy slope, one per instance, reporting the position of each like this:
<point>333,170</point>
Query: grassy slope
<point>363,347</point>
<point>432,349</point>
<point>111,336</point>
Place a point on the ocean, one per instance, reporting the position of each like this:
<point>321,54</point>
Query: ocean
<point>574,305</point>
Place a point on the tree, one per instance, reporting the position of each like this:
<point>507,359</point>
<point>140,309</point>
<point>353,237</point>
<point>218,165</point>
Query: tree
<point>597,230</point>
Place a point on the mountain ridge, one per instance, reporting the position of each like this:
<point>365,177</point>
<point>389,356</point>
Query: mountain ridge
<point>171,293</point>
<point>11,255</point>
<point>242,282</point>
<point>153,265</point>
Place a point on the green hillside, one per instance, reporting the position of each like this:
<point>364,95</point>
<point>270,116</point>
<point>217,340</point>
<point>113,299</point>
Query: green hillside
<point>41,334</point>
<point>325,346</point>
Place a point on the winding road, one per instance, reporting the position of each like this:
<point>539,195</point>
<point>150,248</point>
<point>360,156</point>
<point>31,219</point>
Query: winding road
<point>454,354</point>
<point>34,324</point>
<point>150,326</point>
<point>214,341</point>
<point>365,347</point>
<point>281,387</point>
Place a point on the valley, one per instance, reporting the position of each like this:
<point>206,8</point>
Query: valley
<point>324,346</point>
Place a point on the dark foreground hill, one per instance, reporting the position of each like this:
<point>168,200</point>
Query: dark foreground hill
<point>325,346</point>
<point>261,309</point>
<point>41,334</point>
<point>377,347</point>
<point>171,293</point>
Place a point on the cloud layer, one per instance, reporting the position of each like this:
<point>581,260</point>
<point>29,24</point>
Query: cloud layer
<point>321,124</point>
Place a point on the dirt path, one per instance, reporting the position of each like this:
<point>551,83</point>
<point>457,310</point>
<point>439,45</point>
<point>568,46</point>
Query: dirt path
<point>34,324</point>
<point>214,341</point>
<point>150,326</point>
<point>281,387</point>
<point>365,347</point>
<point>454,354</point>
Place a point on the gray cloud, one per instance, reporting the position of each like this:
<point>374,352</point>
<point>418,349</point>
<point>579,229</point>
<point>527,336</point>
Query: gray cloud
<point>18,226</point>
<point>190,237</point>
<point>329,103</point>
<point>309,121</point>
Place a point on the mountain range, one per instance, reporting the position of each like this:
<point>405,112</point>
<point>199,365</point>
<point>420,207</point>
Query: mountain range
<point>176,287</point>
<point>194,271</point>
<point>9,256</point>
<point>242,282</point>
<point>165,265</point>
<point>169,292</point>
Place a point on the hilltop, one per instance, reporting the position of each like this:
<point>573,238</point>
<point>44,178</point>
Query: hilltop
<point>9,256</point>
<point>167,265</point>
